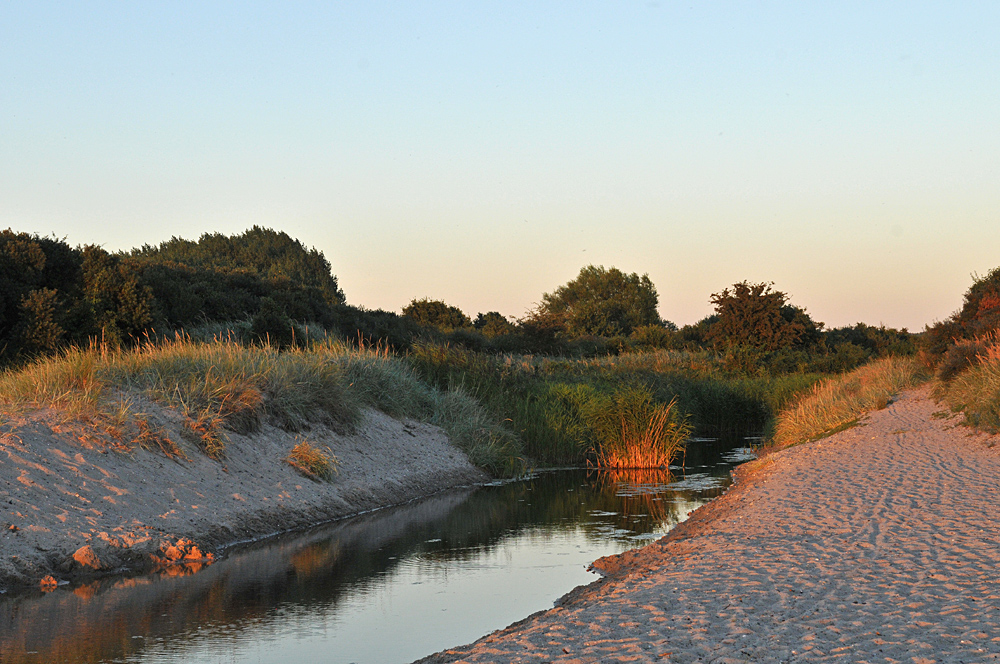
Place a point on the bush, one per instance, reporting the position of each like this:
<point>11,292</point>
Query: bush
<point>963,354</point>
<point>270,326</point>
<point>435,313</point>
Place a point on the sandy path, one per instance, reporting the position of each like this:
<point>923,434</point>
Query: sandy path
<point>878,544</point>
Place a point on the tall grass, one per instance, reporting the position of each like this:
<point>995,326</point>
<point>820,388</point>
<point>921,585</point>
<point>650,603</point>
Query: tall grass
<point>633,431</point>
<point>837,403</point>
<point>976,391</point>
<point>551,402</point>
<point>225,385</point>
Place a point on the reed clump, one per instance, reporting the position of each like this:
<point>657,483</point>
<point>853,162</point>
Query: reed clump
<point>837,403</point>
<point>633,431</point>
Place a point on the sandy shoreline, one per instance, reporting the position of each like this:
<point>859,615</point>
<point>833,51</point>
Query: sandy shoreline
<point>72,509</point>
<point>877,544</point>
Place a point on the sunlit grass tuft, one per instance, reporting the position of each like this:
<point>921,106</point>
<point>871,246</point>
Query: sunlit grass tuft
<point>633,431</point>
<point>312,462</point>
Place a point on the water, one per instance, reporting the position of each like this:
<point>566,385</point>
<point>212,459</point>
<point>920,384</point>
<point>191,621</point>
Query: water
<point>389,586</point>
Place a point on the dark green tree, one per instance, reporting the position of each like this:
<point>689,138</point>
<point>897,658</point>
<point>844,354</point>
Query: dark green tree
<point>121,305</point>
<point>271,326</point>
<point>493,324</point>
<point>435,313</point>
<point>40,328</point>
<point>757,316</point>
<point>600,302</point>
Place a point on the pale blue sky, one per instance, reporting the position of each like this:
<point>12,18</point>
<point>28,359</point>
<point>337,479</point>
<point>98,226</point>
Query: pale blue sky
<point>483,153</point>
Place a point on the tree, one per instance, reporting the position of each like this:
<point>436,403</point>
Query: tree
<point>493,324</point>
<point>601,302</point>
<point>121,305</point>
<point>268,254</point>
<point>435,313</point>
<point>755,315</point>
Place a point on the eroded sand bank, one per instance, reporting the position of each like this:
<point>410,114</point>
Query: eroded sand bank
<point>878,544</point>
<point>63,495</point>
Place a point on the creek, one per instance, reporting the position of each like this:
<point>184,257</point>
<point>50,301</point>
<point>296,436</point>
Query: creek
<point>388,586</point>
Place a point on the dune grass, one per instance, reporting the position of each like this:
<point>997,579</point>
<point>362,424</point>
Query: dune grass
<point>313,462</point>
<point>225,386</point>
<point>563,409</point>
<point>836,403</point>
<point>975,392</point>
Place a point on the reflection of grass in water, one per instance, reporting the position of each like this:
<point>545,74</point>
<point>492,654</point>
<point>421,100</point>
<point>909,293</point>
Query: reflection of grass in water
<point>650,495</point>
<point>638,492</point>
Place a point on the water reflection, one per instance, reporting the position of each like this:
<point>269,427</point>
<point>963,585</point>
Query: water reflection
<point>385,587</point>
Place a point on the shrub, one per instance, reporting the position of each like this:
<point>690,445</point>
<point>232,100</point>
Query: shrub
<point>652,337</point>
<point>435,313</point>
<point>270,326</point>
<point>493,324</point>
<point>965,353</point>
<point>976,391</point>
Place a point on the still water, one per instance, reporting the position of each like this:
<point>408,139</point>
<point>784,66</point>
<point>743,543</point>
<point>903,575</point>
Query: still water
<point>390,586</point>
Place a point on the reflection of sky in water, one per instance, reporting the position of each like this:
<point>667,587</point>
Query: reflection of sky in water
<point>440,597</point>
<point>390,586</point>
<point>422,606</point>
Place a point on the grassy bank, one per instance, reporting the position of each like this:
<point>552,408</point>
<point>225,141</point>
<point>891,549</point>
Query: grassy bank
<point>837,402</point>
<point>975,391</point>
<point>225,386</point>
<point>630,410</point>
<point>562,408</point>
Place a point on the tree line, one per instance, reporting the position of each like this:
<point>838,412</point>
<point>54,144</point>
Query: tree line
<point>269,286</point>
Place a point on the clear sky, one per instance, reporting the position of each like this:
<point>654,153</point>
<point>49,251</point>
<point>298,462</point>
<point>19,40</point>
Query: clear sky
<point>482,153</point>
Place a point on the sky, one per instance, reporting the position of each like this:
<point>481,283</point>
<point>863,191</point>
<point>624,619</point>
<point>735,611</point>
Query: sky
<point>482,153</point>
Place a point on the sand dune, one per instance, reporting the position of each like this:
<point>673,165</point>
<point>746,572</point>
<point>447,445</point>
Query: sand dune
<point>71,508</point>
<point>878,544</point>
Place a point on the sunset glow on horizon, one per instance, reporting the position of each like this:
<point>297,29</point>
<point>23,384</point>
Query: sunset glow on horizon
<point>482,154</point>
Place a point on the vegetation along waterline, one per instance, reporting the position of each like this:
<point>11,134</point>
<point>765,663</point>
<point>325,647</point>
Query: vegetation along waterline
<point>227,386</point>
<point>593,374</point>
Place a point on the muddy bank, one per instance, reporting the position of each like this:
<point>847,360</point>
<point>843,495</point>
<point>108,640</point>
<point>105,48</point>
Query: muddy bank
<point>880,543</point>
<point>72,508</point>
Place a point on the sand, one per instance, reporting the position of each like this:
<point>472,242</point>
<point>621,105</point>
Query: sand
<point>70,508</point>
<point>878,544</point>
